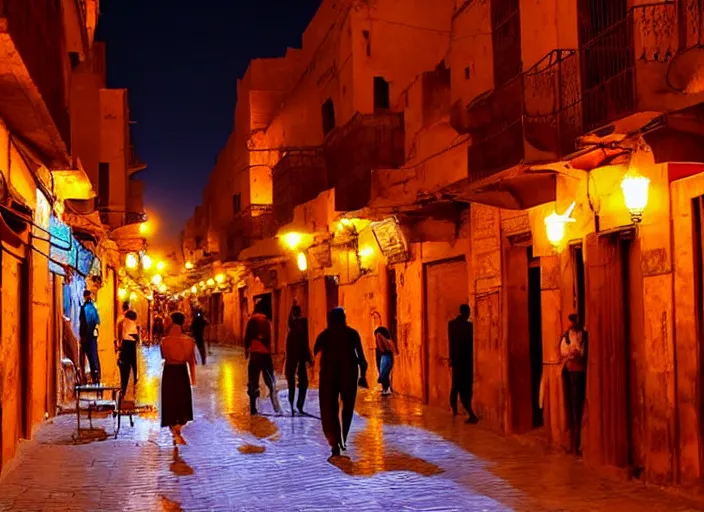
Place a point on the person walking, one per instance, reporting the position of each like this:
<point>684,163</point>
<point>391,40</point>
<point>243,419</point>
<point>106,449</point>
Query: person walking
<point>198,328</point>
<point>257,347</point>
<point>89,322</point>
<point>178,352</point>
<point>342,368</point>
<point>460,333</point>
<point>129,336</point>
<point>298,356</point>
<point>573,349</point>
<point>385,351</point>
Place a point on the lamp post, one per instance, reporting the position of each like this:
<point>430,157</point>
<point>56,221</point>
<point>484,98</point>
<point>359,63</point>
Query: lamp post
<point>635,194</point>
<point>555,226</point>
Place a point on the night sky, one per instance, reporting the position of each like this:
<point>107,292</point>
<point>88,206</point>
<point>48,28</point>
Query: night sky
<point>180,61</point>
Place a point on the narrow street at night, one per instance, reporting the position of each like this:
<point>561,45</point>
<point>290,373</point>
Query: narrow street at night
<point>402,457</point>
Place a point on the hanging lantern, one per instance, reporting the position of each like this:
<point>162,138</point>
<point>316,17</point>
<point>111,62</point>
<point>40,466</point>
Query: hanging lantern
<point>635,194</point>
<point>302,262</point>
<point>131,261</point>
<point>555,226</point>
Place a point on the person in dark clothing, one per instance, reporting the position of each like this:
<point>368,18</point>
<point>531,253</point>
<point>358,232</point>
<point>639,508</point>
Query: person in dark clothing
<point>128,349</point>
<point>573,349</point>
<point>341,364</point>
<point>257,347</point>
<point>88,331</point>
<point>298,356</point>
<point>198,327</point>
<point>460,333</point>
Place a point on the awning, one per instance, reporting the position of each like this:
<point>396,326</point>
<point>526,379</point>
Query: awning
<point>72,184</point>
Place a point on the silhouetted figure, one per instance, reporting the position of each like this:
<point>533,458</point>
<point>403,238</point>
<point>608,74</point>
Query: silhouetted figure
<point>88,331</point>
<point>127,361</point>
<point>298,356</point>
<point>573,348</point>
<point>342,368</point>
<point>198,328</point>
<point>178,352</point>
<point>257,346</point>
<point>460,333</point>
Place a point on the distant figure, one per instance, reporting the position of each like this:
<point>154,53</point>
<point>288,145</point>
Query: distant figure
<point>198,327</point>
<point>385,351</point>
<point>298,356</point>
<point>158,328</point>
<point>460,333</point>
<point>257,346</point>
<point>129,336</point>
<point>342,368</point>
<point>573,349</point>
<point>178,352</point>
<point>89,321</point>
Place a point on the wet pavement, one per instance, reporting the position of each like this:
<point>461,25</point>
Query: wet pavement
<point>402,457</point>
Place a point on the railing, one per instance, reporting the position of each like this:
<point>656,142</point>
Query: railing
<point>255,222</point>
<point>298,177</point>
<point>366,142</point>
<point>569,92</point>
<point>36,29</point>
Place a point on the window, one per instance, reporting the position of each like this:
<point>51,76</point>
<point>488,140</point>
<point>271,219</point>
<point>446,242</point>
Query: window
<point>381,93</point>
<point>236,203</point>
<point>104,184</point>
<point>328,110</point>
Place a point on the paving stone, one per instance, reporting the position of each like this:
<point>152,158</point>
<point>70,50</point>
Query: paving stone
<point>402,457</point>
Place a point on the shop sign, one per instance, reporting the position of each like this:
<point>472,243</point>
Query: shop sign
<point>391,240</point>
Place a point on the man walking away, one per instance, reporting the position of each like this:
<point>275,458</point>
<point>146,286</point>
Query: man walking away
<point>257,347</point>
<point>298,356</point>
<point>198,327</point>
<point>88,331</point>
<point>460,332</point>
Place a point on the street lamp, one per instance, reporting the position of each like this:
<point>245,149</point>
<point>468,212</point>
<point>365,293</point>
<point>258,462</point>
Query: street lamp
<point>146,262</point>
<point>131,261</point>
<point>635,194</point>
<point>555,226</point>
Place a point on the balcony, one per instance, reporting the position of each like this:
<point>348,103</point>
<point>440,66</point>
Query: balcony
<point>249,225</point>
<point>33,77</point>
<point>352,151</point>
<point>299,176</point>
<point>537,116</point>
<point>134,164</point>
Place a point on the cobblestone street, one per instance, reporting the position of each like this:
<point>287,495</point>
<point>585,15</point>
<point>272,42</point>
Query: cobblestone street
<point>402,457</point>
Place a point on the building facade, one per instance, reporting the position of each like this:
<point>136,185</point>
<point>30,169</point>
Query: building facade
<point>402,180</point>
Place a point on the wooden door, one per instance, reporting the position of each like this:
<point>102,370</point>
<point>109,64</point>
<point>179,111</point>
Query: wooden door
<point>446,288</point>
<point>605,437</point>
<point>518,339</point>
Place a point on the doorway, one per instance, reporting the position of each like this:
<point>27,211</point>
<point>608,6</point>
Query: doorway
<point>332,292</point>
<point>615,359</point>
<point>446,288</point>
<point>535,315</point>
<point>525,344</point>
<point>392,302</point>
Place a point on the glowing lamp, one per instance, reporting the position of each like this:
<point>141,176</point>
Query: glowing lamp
<point>555,226</point>
<point>635,193</point>
<point>157,279</point>
<point>162,288</point>
<point>189,265</point>
<point>122,293</point>
<point>160,266</point>
<point>202,284</point>
<point>133,296</point>
<point>293,240</point>
<point>366,251</point>
<point>220,278</point>
<point>302,262</point>
<point>146,262</point>
<point>194,290</point>
<point>131,260</point>
<point>143,228</point>
<point>211,282</point>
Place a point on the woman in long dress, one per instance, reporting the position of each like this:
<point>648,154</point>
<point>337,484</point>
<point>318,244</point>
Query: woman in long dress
<point>178,352</point>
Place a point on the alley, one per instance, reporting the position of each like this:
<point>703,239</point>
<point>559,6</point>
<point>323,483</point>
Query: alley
<point>402,457</point>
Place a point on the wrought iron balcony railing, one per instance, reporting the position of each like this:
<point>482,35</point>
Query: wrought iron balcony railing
<point>298,177</point>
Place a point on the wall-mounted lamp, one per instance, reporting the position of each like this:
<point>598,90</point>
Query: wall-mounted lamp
<point>302,262</point>
<point>555,226</point>
<point>131,261</point>
<point>211,282</point>
<point>194,290</point>
<point>220,278</point>
<point>146,262</point>
<point>635,194</point>
<point>292,240</point>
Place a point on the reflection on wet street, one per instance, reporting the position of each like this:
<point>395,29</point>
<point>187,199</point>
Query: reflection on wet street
<point>402,456</point>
